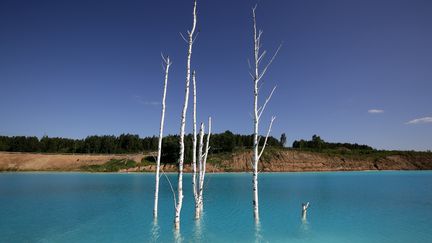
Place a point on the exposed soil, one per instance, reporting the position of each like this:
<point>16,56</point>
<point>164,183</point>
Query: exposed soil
<point>278,161</point>
<point>54,162</point>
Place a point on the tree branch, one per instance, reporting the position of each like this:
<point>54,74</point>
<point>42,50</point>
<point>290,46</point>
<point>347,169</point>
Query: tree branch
<point>196,36</point>
<point>172,188</point>
<point>261,110</point>
<point>269,63</point>
<point>261,56</point>
<point>182,36</point>
<point>268,133</point>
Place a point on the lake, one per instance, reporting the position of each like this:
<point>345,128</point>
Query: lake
<point>345,207</point>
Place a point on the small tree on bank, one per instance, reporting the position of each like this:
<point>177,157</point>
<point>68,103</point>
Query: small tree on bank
<point>283,139</point>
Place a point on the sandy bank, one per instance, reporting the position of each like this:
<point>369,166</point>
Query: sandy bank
<point>55,162</point>
<point>277,161</point>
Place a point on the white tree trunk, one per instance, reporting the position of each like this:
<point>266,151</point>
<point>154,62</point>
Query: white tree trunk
<point>205,163</point>
<point>200,156</point>
<point>202,165</point>
<point>255,144</point>
<point>305,207</point>
<point>194,146</point>
<point>156,197</point>
<point>202,159</point>
<point>179,204</point>
<point>258,111</point>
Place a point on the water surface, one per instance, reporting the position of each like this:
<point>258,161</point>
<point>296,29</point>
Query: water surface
<point>345,207</point>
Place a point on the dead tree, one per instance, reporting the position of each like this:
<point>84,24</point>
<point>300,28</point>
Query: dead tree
<point>179,202</point>
<point>198,187</point>
<point>167,64</point>
<point>194,145</point>
<point>305,207</point>
<point>202,167</point>
<point>257,76</point>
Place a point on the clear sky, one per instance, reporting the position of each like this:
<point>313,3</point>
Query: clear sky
<point>349,70</point>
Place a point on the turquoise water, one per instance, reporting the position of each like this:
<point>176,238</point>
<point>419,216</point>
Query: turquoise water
<point>345,207</point>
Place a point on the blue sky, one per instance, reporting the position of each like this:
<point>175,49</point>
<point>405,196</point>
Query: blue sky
<point>78,68</point>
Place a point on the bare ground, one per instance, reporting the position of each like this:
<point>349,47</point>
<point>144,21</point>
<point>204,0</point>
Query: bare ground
<point>55,162</point>
<point>279,161</point>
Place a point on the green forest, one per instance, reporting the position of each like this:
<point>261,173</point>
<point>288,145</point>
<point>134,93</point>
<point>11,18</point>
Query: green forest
<point>127,143</point>
<point>318,144</point>
<point>221,144</point>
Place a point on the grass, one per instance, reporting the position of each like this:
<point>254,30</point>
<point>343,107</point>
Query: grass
<point>113,165</point>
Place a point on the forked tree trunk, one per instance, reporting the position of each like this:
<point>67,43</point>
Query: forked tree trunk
<point>305,207</point>
<point>200,155</point>
<point>179,204</point>
<point>202,165</point>
<point>156,197</point>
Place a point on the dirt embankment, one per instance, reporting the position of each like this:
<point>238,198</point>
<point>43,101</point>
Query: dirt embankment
<point>55,162</point>
<point>290,160</point>
<point>277,161</point>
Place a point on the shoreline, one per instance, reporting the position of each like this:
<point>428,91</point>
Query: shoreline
<point>207,173</point>
<point>210,173</point>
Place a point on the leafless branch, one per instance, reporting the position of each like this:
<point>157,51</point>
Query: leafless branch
<point>183,37</point>
<point>172,188</point>
<point>196,36</point>
<point>268,133</point>
<point>269,63</point>
<point>261,56</point>
<point>265,103</point>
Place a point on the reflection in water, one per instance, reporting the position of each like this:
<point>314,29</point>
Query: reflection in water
<point>198,230</point>
<point>304,227</point>
<point>258,236</point>
<point>155,231</point>
<point>305,223</point>
<point>177,236</point>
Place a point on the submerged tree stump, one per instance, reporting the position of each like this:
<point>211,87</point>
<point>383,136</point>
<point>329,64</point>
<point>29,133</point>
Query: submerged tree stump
<point>305,207</point>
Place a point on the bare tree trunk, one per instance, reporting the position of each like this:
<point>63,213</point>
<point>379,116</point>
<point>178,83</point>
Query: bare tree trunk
<point>200,156</point>
<point>179,204</point>
<point>203,164</point>
<point>255,144</point>
<point>305,207</point>
<point>258,111</point>
<point>194,146</point>
<point>156,197</point>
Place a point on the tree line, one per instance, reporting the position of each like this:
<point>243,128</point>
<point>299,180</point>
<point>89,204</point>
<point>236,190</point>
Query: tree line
<point>316,143</point>
<point>126,143</point>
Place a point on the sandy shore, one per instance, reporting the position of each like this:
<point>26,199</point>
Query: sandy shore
<point>55,162</point>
